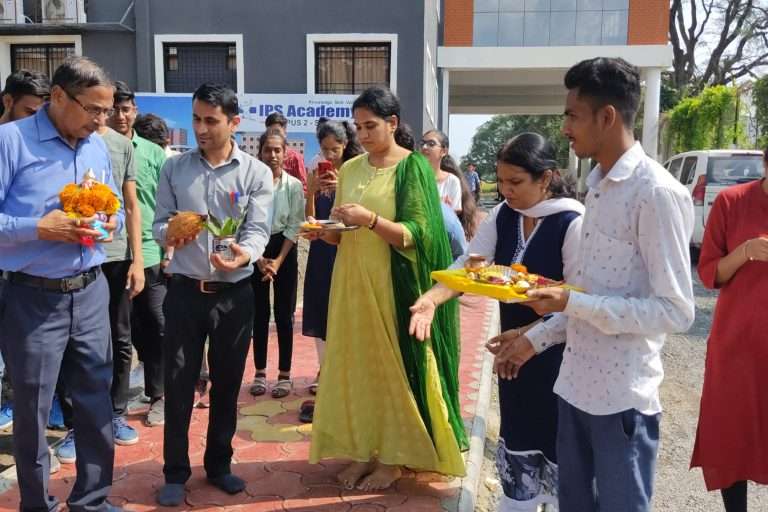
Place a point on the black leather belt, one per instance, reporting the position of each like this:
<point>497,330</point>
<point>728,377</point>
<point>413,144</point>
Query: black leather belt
<point>207,286</point>
<point>63,285</point>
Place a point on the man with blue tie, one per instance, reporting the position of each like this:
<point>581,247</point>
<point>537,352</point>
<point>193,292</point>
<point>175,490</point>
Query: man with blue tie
<point>54,304</point>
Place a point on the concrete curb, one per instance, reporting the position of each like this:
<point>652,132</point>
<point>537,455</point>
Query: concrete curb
<point>474,460</point>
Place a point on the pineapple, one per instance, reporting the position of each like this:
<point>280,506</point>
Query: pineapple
<point>185,225</point>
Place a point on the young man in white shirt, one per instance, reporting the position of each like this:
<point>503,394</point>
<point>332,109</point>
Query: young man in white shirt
<point>634,264</point>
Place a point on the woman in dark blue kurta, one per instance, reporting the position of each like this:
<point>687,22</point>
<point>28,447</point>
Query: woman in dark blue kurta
<point>538,226</point>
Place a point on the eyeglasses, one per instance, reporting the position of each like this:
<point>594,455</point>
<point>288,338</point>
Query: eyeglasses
<point>429,143</point>
<point>125,110</point>
<point>92,110</point>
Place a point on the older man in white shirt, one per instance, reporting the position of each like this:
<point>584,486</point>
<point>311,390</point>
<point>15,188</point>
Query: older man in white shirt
<point>634,264</point>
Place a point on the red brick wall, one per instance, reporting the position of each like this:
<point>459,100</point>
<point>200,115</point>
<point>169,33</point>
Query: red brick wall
<point>648,22</point>
<point>458,22</point>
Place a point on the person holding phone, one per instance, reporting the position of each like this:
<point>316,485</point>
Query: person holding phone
<point>338,143</point>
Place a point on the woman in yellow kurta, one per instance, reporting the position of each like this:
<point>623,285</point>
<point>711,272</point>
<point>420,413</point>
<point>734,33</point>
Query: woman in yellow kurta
<point>386,399</point>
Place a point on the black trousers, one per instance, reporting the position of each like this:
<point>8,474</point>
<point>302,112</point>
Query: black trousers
<point>148,327</point>
<point>226,319</point>
<point>43,333</point>
<point>284,286</point>
<point>116,273</point>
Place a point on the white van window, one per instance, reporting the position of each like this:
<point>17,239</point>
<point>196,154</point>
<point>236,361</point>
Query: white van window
<point>689,170</point>
<point>674,167</point>
<point>732,169</point>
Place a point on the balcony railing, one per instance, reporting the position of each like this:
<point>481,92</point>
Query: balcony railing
<point>50,12</point>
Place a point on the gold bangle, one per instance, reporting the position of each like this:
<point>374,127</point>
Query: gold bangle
<point>375,221</point>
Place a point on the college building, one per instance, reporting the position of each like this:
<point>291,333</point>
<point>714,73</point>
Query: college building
<point>442,57</point>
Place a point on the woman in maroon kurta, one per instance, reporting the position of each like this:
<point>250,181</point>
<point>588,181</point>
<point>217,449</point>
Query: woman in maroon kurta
<point>732,437</point>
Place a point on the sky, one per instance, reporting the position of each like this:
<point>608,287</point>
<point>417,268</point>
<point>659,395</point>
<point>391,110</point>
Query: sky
<point>462,128</point>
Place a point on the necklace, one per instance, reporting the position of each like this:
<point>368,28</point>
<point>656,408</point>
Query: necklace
<point>362,187</point>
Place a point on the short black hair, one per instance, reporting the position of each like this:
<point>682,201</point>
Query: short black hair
<point>76,74</point>
<point>218,95</point>
<point>27,83</point>
<point>607,81</point>
<point>276,118</point>
<point>123,93</point>
<point>153,128</point>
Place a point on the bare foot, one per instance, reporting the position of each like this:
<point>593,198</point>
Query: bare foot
<point>381,478</point>
<point>352,474</point>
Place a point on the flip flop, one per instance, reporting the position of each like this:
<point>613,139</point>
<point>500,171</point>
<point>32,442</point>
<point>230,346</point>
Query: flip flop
<point>307,411</point>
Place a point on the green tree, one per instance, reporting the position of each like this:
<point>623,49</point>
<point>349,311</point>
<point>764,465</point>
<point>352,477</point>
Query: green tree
<point>760,100</point>
<point>706,121</point>
<point>495,132</point>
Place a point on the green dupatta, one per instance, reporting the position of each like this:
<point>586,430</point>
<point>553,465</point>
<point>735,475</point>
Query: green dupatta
<point>417,206</point>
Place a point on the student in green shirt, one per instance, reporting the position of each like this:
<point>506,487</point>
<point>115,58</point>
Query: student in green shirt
<point>148,319</point>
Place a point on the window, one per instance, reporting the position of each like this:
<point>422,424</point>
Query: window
<point>689,170</point>
<point>550,22</point>
<point>188,65</point>
<point>44,58</point>
<point>674,167</point>
<point>349,68</point>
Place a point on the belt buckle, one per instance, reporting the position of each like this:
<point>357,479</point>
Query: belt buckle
<point>67,285</point>
<point>202,287</point>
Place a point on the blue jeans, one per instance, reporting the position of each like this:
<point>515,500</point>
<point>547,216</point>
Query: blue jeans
<point>607,463</point>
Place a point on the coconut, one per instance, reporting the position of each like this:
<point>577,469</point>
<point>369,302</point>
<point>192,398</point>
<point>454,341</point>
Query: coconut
<point>185,225</point>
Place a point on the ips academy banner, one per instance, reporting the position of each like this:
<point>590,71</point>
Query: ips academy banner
<point>302,111</point>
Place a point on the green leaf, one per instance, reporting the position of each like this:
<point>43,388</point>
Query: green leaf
<point>216,222</point>
<point>213,228</point>
<point>229,227</point>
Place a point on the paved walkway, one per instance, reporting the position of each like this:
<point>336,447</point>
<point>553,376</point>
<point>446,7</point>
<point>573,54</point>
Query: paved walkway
<point>272,447</point>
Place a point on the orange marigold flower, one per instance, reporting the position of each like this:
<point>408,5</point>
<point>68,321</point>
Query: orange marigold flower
<point>86,210</point>
<point>85,202</point>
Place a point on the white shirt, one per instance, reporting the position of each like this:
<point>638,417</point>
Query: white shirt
<point>635,265</point>
<point>484,241</point>
<point>450,191</point>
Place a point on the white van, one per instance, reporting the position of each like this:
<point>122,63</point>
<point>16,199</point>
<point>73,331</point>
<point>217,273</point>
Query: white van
<point>707,172</point>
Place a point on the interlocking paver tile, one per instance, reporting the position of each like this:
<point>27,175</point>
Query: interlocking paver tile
<point>271,450</point>
<point>387,498</point>
<point>413,487</point>
<point>325,499</point>
<point>281,483</point>
<point>261,452</point>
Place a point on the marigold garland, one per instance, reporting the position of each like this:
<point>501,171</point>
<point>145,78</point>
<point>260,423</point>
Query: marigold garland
<point>79,201</point>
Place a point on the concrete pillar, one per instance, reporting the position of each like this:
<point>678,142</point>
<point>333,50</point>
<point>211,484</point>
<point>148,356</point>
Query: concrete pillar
<point>651,111</point>
<point>444,97</point>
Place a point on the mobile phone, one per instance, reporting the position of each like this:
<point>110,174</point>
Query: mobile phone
<point>323,166</point>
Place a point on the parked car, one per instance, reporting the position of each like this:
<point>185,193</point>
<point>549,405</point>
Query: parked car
<point>707,172</point>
